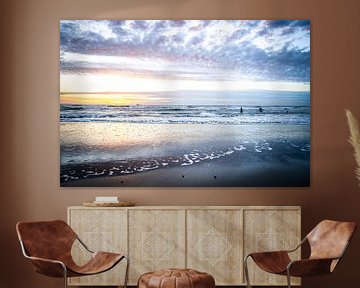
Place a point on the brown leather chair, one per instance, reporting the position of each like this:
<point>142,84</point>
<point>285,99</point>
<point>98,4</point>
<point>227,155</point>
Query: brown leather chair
<point>48,245</point>
<point>328,242</point>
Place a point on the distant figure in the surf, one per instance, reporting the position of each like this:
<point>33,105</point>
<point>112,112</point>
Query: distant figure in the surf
<point>241,110</point>
<point>261,110</point>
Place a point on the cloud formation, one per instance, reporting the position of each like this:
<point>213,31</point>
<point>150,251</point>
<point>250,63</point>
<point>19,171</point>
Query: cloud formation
<point>271,50</point>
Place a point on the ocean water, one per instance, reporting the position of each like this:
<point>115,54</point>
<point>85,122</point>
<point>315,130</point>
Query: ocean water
<point>106,141</point>
<point>183,114</point>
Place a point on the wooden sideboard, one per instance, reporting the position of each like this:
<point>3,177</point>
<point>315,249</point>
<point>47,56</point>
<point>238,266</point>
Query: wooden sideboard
<point>212,239</point>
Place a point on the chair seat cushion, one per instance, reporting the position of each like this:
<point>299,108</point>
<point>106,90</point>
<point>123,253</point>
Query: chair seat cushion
<point>176,278</point>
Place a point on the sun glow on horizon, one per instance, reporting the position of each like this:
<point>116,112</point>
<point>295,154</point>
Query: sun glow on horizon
<point>107,89</point>
<point>115,99</point>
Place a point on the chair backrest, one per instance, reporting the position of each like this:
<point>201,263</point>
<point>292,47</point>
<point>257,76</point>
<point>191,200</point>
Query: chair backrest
<point>46,239</point>
<point>329,239</point>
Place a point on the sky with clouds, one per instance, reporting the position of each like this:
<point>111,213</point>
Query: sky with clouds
<point>130,56</point>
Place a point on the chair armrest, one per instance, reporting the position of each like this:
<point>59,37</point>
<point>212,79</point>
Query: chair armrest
<point>280,251</point>
<point>84,245</point>
<point>268,253</point>
<point>298,246</point>
<point>48,267</point>
<point>45,260</point>
<point>309,267</point>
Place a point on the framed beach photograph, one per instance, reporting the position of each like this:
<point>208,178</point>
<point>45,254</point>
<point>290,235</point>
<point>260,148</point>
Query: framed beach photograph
<point>185,103</point>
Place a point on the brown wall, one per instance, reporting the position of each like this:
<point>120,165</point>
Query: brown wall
<point>29,111</point>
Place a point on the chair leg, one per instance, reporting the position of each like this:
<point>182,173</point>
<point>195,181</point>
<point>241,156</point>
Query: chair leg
<point>288,278</point>
<point>65,276</point>
<point>127,271</point>
<point>246,270</point>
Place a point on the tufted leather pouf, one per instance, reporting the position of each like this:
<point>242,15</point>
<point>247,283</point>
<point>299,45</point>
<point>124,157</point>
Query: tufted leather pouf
<point>176,278</point>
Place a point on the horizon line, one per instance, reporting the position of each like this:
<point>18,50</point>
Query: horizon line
<point>172,91</point>
<point>126,105</point>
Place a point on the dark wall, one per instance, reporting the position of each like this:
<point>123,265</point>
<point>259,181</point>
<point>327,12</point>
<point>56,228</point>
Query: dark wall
<point>29,111</point>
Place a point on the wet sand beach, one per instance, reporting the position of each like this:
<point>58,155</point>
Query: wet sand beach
<point>262,163</point>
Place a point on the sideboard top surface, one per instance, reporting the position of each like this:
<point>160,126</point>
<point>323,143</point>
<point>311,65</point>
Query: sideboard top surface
<point>193,207</point>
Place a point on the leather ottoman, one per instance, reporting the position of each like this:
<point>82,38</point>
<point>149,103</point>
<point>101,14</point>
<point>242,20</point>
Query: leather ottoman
<point>176,278</point>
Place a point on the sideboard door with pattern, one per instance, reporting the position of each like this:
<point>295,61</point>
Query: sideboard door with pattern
<point>156,240</point>
<point>214,244</point>
<point>101,230</point>
<point>270,230</point>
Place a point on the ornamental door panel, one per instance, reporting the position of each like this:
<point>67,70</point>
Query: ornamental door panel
<point>156,240</point>
<point>101,230</point>
<point>214,244</point>
<point>271,230</point>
